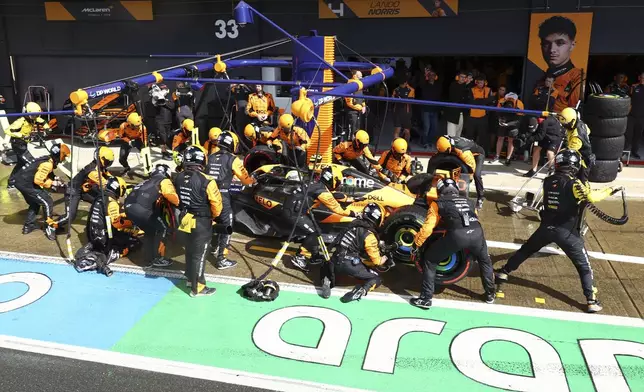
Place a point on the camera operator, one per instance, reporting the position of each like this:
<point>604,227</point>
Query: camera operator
<point>163,107</point>
<point>185,100</point>
<point>547,135</point>
<point>240,94</point>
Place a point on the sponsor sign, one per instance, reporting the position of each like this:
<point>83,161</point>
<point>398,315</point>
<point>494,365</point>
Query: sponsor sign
<point>333,9</point>
<point>98,10</point>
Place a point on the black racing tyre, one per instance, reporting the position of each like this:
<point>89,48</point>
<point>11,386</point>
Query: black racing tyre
<point>446,162</point>
<point>259,156</point>
<point>401,228</point>
<point>606,127</point>
<point>604,171</point>
<point>608,148</point>
<point>606,105</point>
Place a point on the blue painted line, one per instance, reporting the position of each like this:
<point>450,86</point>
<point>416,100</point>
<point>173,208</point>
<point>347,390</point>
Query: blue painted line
<point>84,309</point>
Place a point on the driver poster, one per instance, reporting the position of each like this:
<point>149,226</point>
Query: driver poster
<point>558,50</point>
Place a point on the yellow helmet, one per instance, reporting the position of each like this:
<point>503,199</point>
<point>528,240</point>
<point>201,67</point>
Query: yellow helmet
<point>213,134</point>
<point>106,156</point>
<point>286,121</point>
<point>399,146</point>
<point>134,119</point>
<point>249,132</point>
<point>362,136</point>
<point>569,118</point>
<point>188,124</point>
<point>444,144</point>
<point>32,107</point>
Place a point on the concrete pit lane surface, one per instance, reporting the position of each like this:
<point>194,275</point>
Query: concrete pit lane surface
<point>143,320</point>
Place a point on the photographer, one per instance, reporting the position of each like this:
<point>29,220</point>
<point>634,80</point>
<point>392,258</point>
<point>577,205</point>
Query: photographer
<point>163,115</point>
<point>547,135</point>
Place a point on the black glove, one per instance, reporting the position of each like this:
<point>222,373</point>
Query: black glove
<point>352,214</point>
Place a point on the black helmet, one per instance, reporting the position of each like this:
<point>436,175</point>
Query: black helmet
<point>372,212</point>
<point>568,160</point>
<point>328,178</point>
<point>227,141</point>
<point>446,186</point>
<point>164,169</point>
<point>194,156</point>
<point>115,186</point>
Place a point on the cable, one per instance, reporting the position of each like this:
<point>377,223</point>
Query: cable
<point>68,239</point>
<point>609,219</point>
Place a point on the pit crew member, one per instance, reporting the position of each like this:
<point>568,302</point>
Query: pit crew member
<point>578,139</point>
<point>261,106</point>
<point>133,134</point>
<point>20,131</point>
<point>565,197</point>
<point>348,153</point>
<point>211,144</point>
<point>471,154</point>
<point>396,163</point>
<point>463,231</point>
<point>293,137</point>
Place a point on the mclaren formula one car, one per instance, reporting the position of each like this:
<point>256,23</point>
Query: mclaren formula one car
<point>257,210</point>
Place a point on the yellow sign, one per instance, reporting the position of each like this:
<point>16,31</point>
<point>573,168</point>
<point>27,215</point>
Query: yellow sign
<point>334,9</point>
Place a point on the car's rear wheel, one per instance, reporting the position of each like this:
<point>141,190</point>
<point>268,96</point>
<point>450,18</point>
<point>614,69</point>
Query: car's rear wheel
<point>259,156</point>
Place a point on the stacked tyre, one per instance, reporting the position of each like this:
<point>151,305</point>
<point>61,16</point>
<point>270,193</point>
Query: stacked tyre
<point>607,117</point>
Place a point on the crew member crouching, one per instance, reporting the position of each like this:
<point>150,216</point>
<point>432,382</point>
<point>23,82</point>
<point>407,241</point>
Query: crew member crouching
<point>320,193</point>
<point>33,180</point>
<point>143,206</point>
<point>464,231</point>
<point>133,134</point>
<point>294,139</point>
<point>357,251</point>
<point>348,153</point>
<point>396,163</point>
<point>114,237</point>
<point>200,204</point>
<point>222,167</point>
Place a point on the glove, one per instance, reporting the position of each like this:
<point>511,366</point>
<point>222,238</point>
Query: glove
<point>352,214</point>
<point>360,198</point>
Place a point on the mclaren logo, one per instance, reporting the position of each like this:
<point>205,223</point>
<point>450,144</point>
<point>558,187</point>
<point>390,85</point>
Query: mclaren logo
<point>96,10</point>
<point>266,203</point>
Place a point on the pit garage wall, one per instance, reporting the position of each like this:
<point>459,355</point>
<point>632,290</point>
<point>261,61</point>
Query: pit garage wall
<point>68,55</point>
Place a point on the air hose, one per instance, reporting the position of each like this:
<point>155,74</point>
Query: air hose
<point>609,219</point>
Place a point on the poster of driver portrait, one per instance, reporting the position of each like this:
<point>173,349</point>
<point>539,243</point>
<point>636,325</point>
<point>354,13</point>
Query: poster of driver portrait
<point>558,48</point>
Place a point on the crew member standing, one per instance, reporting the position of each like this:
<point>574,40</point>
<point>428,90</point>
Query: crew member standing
<point>477,125</point>
<point>143,207</point>
<point>223,166</point>
<point>240,94</point>
<point>294,138</point>
<point>396,163</point>
<point>261,106</point>
<point>20,132</point>
<point>402,111</point>
<point>471,154</point>
<point>356,253</point>
<point>564,197</point>
<point>356,106</point>
<point>636,117</point>
<point>578,139</point>
<point>33,180</point>
<point>133,134</point>
<point>320,193</point>
<point>86,184</point>
<point>348,153</point>
<point>200,204</point>
<point>463,231</point>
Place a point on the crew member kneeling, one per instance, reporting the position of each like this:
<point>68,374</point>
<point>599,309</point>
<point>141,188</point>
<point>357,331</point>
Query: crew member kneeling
<point>115,240</point>
<point>347,153</point>
<point>319,193</point>
<point>223,166</point>
<point>464,231</point>
<point>357,251</point>
<point>564,198</point>
<point>396,163</point>
<point>32,180</point>
<point>143,207</point>
<point>200,204</point>
<point>471,154</point>
<point>294,138</point>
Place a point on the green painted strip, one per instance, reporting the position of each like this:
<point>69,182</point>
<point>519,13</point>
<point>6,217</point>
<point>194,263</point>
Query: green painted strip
<point>220,331</point>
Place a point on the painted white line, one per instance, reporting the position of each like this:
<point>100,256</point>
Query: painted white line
<point>554,251</point>
<point>176,368</point>
<point>373,296</point>
<point>535,189</point>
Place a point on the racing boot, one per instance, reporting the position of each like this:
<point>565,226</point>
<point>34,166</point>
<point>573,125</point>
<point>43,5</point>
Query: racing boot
<point>420,302</point>
<point>50,233</point>
<point>594,306</point>
<point>300,262</point>
<point>500,276</point>
<point>354,295</point>
<point>326,288</point>
<point>26,229</point>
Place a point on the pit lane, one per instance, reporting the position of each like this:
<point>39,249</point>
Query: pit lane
<point>546,281</point>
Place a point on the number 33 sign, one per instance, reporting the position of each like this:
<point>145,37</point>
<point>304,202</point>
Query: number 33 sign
<point>226,29</point>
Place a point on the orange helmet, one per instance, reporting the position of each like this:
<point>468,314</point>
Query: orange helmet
<point>134,119</point>
<point>444,144</point>
<point>399,146</point>
<point>250,132</point>
<point>214,133</point>
<point>188,124</point>
<point>286,122</point>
